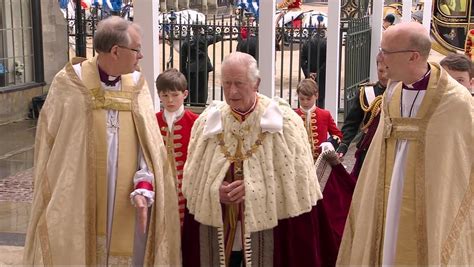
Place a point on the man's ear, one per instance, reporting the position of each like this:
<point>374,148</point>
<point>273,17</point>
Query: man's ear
<point>257,84</point>
<point>186,93</point>
<point>415,56</point>
<point>114,51</point>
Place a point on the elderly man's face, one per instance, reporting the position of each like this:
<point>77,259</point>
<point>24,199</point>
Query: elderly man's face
<point>239,91</point>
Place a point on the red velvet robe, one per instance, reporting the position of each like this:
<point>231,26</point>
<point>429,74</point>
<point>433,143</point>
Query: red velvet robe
<point>176,141</point>
<point>337,194</point>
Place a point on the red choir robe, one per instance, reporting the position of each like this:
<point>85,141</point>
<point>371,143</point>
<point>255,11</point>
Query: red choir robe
<point>176,141</point>
<point>339,186</point>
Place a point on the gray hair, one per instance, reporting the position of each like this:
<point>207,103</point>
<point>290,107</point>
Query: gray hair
<point>239,58</point>
<point>422,43</point>
<point>113,31</point>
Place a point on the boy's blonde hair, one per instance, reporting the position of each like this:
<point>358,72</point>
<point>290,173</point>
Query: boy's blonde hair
<point>308,87</point>
<point>171,80</point>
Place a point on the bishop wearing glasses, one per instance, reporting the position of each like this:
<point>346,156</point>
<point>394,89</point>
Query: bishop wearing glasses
<point>102,187</point>
<point>413,202</point>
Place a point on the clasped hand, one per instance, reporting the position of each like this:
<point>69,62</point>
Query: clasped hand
<point>232,193</point>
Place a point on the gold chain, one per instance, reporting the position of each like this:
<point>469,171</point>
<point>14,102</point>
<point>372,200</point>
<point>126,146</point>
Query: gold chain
<point>241,157</point>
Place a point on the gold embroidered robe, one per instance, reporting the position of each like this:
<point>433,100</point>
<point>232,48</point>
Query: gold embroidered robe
<point>437,213</point>
<point>67,217</point>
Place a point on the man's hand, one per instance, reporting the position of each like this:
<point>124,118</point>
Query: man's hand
<point>232,193</point>
<point>142,209</point>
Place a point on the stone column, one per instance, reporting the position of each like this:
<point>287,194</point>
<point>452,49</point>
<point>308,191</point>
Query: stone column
<point>406,16</point>
<point>427,14</point>
<point>204,4</point>
<point>332,61</point>
<point>163,7</point>
<point>55,40</point>
<point>146,15</point>
<point>212,4</point>
<point>183,4</point>
<point>266,47</point>
<point>376,37</point>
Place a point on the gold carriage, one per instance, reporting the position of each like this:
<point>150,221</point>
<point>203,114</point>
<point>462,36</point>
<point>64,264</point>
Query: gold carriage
<point>451,24</point>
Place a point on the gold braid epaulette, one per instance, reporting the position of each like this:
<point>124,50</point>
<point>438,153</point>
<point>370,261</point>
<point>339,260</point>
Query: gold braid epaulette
<point>373,108</point>
<point>362,85</point>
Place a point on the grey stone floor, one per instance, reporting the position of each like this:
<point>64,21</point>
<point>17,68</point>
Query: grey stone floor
<point>16,147</point>
<point>16,187</point>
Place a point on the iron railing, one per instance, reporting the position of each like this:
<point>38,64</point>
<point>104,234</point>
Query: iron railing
<point>221,35</point>
<point>357,59</point>
<point>204,44</point>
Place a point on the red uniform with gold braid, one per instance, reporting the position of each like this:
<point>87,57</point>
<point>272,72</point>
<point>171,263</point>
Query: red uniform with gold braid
<point>289,4</point>
<point>176,141</point>
<point>321,124</point>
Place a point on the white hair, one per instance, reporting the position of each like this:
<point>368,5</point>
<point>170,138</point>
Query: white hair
<point>239,58</point>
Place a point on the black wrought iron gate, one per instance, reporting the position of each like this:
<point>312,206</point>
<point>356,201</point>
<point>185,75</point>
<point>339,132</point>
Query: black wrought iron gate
<point>357,59</point>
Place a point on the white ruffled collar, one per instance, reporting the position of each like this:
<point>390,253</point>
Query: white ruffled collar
<point>311,109</point>
<point>271,120</point>
<point>171,117</point>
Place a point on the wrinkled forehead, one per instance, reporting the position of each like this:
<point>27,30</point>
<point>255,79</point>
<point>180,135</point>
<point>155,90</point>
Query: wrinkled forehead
<point>233,72</point>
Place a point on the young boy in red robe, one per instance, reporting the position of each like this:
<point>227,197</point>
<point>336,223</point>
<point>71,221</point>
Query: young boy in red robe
<point>336,183</point>
<point>318,122</point>
<point>175,124</point>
